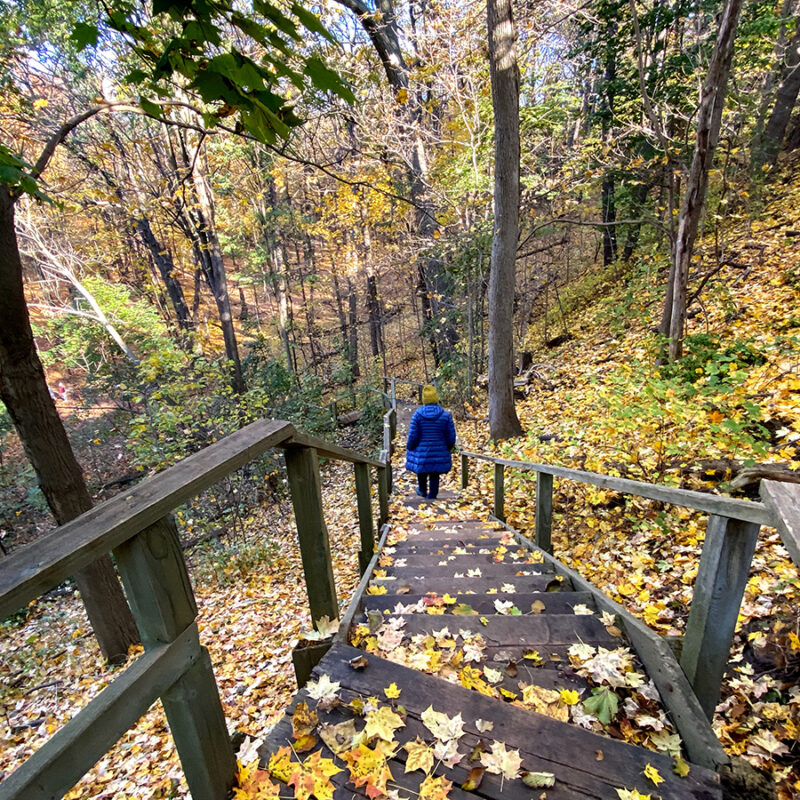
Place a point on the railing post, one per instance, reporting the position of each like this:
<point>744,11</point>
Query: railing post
<point>393,423</point>
<point>464,471</point>
<point>334,413</point>
<point>419,393</point>
<point>302,467</point>
<point>718,590</point>
<point>388,447</point>
<point>499,492</point>
<point>365,523</point>
<point>394,393</point>
<point>383,489</point>
<point>157,583</point>
<point>544,511</point>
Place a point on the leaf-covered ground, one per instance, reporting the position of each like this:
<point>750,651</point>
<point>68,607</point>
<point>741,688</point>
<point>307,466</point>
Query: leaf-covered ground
<point>50,665</point>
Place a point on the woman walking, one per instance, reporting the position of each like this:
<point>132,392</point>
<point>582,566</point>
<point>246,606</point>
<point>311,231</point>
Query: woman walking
<point>431,436</point>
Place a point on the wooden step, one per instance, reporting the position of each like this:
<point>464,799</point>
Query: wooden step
<point>434,570</point>
<point>471,544</point>
<point>585,765</point>
<point>486,584</point>
<point>554,602</point>
<point>458,562</point>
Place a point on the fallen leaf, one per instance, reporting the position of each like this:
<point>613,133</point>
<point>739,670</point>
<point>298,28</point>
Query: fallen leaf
<point>539,780</point>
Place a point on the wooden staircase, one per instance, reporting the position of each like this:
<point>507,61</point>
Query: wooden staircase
<point>467,573</point>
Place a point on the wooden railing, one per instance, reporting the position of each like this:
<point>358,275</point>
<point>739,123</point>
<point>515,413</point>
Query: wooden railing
<point>138,528</point>
<point>730,541</point>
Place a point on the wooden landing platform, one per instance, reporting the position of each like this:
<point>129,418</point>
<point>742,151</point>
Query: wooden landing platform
<point>493,652</point>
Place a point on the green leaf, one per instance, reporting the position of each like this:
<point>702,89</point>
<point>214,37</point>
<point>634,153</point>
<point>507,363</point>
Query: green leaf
<point>84,34</point>
<point>150,108</point>
<point>326,79</point>
<point>311,22</point>
<point>603,705</point>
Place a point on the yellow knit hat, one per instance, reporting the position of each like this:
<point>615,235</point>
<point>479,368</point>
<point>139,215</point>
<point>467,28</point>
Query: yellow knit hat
<point>429,395</point>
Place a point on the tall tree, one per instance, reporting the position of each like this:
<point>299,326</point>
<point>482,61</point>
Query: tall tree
<point>503,421</point>
<point>709,120</point>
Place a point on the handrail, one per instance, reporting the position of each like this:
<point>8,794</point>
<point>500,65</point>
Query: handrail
<point>137,525</point>
<point>728,547</point>
<point>686,498</point>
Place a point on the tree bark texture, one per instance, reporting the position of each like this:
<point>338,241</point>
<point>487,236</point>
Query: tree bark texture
<point>769,145</point>
<point>503,421</point>
<point>709,119</point>
<point>23,388</point>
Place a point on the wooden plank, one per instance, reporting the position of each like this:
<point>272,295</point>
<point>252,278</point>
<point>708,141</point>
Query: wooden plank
<point>365,524</point>
<point>302,467</point>
<point>453,586</point>
<point>494,571</point>
<point>472,544</point>
<point>198,727</point>
<point>499,492</point>
<point>154,574</point>
<point>383,489</point>
<point>554,602</point>
<point>157,584</point>
<point>524,631</point>
<point>459,562</point>
<point>783,500</point>
<point>327,449</point>
<point>544,510</point>
<point>702,745</point>
<point>37,567</point>
<point>546,744</point>
<point>712,504</point>
<point>61,762</point>
<point>718,591</point>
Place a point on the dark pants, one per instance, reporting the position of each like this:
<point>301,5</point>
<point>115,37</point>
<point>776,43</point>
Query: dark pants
<point>422,480</point>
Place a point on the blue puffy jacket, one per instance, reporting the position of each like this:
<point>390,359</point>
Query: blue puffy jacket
<point>431,435</point>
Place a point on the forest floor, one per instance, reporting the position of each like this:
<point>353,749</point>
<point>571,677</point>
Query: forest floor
<point>596,402</point>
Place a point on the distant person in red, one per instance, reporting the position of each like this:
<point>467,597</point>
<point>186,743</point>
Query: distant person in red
<point>431,437</point>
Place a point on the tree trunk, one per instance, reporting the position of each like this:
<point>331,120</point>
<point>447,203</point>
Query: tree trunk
<point>709,119</point>
<point>609,214</point>
<point>503,421</point>
<point>23,388</point>
<point>768,145</point>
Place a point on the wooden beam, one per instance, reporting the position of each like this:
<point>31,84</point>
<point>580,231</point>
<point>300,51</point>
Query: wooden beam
<point>197,722</point>
<point>365,523</point>
<point>383,489</point>
<point>302,467</point>
<point>157,584</point>
<point>37,567</point>
<point>702,745</point>
<point>464,471</point>
<point>326,449</point>
<point>783,500</point>
<point>61,762</point>
<point>544,510</point>
<point>499,492</point>
<point>712,504</point>
<point>718,590</point>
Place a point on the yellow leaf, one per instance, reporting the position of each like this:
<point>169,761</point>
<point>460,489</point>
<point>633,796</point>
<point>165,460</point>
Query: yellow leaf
<point>391,691</point>
<point>569,696</point>
<point>680,767</point>
<point>383,723</point>
<point>376,590</point>
<point>280,764</point>
<point>434,788</point>
<point>420,756</point>
<point>651,773</point>
<point>41,103</point>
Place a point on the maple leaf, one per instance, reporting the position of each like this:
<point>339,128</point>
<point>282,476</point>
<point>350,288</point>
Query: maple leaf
<point>631,794</point>
<point>483,726</point>
<point>303,721</point>
<point>341,737</point>
<point>313,778</point>
<point>420,756</point>
<point>368,768</point>
<point>502,761</point>
<point>383,723</point>
<point>569,696</point>
<point>651,773</point>
<point>680,767</point>
<point>447,753</point>
<point>254,784</point>
<point>474,779</point>
<point>392,692</point>
<point>434,788</point>
<point>603,704</point>
<point>493,675</point>
<point>441,726</point>
<point>324,687</point>
<point>280,764</point>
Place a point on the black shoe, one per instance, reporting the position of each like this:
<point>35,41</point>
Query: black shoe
<point>421,494</point>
